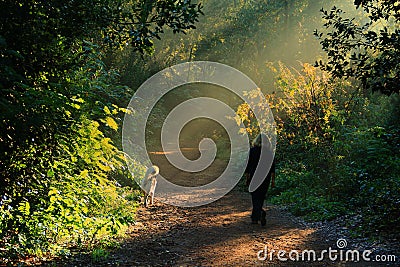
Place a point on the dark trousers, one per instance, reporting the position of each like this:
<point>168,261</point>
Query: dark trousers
<point>258,198</point>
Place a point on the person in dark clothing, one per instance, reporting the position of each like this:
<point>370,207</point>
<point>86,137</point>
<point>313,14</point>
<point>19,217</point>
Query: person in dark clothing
<point>258,196</point>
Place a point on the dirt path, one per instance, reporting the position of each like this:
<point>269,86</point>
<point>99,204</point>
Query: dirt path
<point>218,234</point>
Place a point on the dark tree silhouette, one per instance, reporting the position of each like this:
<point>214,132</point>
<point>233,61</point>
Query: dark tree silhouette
<point>369,52</point>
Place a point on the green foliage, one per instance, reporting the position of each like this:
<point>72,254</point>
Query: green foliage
<point>369,144</point>
<point>99,254</point>
<point>139,22</point>
<point>309,106</point>
<point>376,171</point>
<point>61,116</point>
<point>58,190</point>
<point>368,52</point>
<point>304,191</point>
<point>39,32</point>
<point>338,153</point>
<point>241,34</point>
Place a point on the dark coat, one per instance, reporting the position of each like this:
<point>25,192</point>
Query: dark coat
<point>254,158</point>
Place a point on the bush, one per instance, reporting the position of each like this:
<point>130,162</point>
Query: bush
<point>59,189</point>
<point>338,151</point>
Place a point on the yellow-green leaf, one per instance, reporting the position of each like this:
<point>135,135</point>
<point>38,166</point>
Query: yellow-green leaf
<point>84,173</point>
<point>110,122</point>
<point>107,110</point>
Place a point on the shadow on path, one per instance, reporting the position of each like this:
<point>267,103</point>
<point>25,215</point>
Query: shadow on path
<point>219,234</point>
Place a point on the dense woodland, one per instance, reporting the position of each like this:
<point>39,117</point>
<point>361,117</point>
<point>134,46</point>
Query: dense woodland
<point>330,70</point>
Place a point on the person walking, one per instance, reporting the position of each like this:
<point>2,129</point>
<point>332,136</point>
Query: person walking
<point>258,195</point>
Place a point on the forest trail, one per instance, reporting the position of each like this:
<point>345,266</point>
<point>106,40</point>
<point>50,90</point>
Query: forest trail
<point>218,234</point>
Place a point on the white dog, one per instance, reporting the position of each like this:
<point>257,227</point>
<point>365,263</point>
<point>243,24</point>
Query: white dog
<point>149,184</point>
